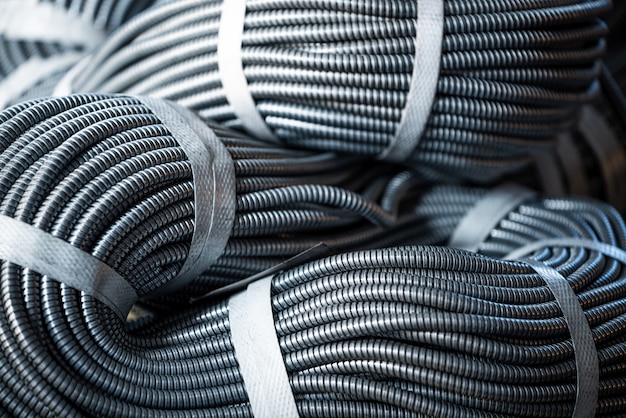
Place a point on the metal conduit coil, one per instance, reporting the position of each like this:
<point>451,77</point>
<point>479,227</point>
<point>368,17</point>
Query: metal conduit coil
<point>334,75</point>
<point>104,173</point>
<point>50,54</point>
<point>406,331</point>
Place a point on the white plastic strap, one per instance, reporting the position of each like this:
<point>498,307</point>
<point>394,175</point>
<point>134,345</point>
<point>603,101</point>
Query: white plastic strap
<point>31,72</point>
<point>608,148</point>
<point>423,88</point>
<point>30,247</point>
<point>214,197</point>
<point>258,353</point>
<point>214,188</point>
<point>230,67</point>
<point>43,21</point>
<point>585,353</point>
<point>615,253</point>
<point>486,214</point>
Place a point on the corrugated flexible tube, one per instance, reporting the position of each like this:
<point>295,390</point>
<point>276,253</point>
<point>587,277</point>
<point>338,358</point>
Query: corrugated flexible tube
<point>403,331</point>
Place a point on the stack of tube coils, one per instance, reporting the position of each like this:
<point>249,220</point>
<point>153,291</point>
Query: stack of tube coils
<point>368,78</point>
<point>429,331</point>
<point>107,174</point>
<point>111,200</point>
<point>424,330</point>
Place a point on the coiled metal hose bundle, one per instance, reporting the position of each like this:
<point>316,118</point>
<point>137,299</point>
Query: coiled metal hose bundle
<point>41,39</point>
<point>337,75</point>
<point>412,331</point>
<point>109,175</point>
<point>388,332</point>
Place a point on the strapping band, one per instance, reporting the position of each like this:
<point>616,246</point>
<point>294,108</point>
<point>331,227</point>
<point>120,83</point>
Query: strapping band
<point>256,347</point>
<point>423,88</point>
<point>230,68</point>
<point>585,353</point>
<point>587,371</point>
<point>603,248</point>
<point>486,214</point>
<point>33,248</point>
<point>214,211</point>
<point>43,21</point>
<point>608,148</point>
<point>30,73</point>
<point>214,188</point>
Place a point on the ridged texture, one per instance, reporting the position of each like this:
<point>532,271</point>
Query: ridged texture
<point>413,331</point>
<point>405,331</point>
<point>104,15</point>
<point>334,75</point>
<point>104,173</point>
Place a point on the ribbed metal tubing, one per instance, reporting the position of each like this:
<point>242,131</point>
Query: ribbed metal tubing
<point>334,75</point>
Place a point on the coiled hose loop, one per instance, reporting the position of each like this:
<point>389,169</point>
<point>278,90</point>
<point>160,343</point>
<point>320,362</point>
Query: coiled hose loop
<point>108,175</point>
<point>430,331</point>
<point>335,75</point>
